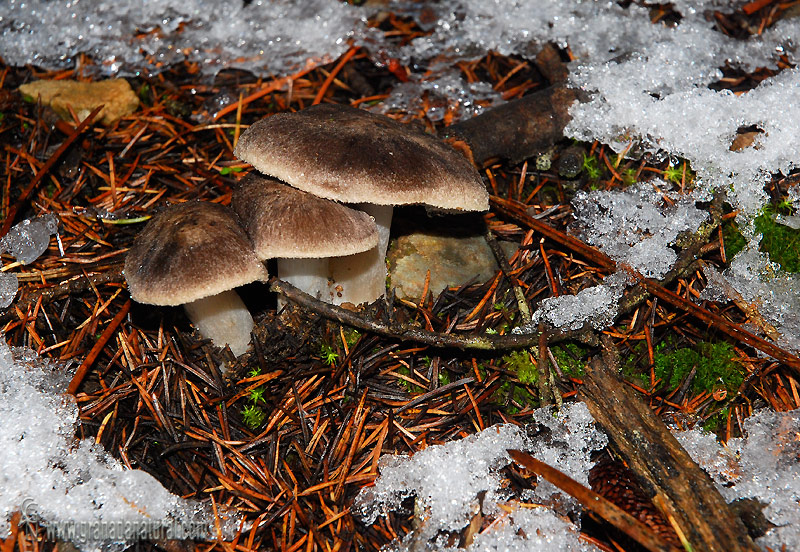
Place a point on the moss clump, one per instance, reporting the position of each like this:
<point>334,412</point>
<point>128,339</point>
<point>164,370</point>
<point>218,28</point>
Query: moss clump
<point>327,354</point>
<point>632,368</point>
<point>512,394</point>
<point>568,356</point>
<point>734,241</point>
<point>679,173</point>
<point>781,242</point>
<point>714,366</point>
<point>253,416</point>
<point>351,337</point>
<point>521,364</point>
<point>591,166</point>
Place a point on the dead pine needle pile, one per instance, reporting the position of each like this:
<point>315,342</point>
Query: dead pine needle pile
<point>288,433</point>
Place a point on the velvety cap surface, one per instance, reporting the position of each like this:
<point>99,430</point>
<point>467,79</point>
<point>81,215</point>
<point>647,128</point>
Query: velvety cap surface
<point>190,251</point>
<point>351,155</point>
<point>287,223</point>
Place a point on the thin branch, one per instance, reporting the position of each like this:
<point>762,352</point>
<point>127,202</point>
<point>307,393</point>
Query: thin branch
<point>403,333</point>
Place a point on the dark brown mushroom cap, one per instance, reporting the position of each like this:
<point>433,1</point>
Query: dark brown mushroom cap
<point>190,251</point>
<point>284,222</point>
<point>351,155</point>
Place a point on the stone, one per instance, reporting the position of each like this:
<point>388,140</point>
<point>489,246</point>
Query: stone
<point>452,260</point>
<point>115,95</point>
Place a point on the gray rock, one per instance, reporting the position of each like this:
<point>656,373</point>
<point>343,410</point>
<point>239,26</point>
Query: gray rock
<point>452,261</point>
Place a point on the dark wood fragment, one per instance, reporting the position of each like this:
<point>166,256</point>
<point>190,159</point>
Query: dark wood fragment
<point>549,63</point>
<point>682,491</point>
<point>516,130</point>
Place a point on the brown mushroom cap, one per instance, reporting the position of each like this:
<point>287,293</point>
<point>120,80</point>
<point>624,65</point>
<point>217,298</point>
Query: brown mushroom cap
<point>190,251</point>
<point>354,156</point>
<point>287,223</point>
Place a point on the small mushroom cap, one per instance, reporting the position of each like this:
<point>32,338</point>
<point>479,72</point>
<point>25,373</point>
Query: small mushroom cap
<point>284,222</point>
<point>354,156</point>
<point>190,251</point>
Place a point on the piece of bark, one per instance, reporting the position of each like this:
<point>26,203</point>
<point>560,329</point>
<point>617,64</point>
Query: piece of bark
<point>548,62</point>
<point>518,129</point>
<point>682,491</point>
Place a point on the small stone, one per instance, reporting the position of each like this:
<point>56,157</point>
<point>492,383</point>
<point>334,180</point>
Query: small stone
<point>115,95</point>
<point>453,261</point>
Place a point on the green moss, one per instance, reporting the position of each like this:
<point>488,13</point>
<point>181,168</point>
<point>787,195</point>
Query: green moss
<point>591,164</point>
<point>257,395</point>
<point>779,241</point>
<point>520,363</point>
<point>631,367</point>
<point>144,94</point>
<point>351,337</point>
<point>734,241</point>
<point>568,356</point>
<point>714,364</point>
<point>628,176</point>
<point>327,354</point>
<point>253,416</point>
<point>717,422</point>
<point>225,171</point>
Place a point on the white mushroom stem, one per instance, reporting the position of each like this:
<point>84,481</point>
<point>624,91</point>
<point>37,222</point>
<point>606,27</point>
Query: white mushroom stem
<point>224,319</point>
<point>309,275</point>
<point>361,278</point>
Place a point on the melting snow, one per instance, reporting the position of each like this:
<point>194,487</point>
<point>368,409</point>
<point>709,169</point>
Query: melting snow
<point>596,306</point>
<point>26,241</point>
<point>762,284</point>
<point>30,238</point>
<point>70,485</point>
<point>636,226</point>
<point>447,479</point>
<point>764,464</point>
<point>127,37</point>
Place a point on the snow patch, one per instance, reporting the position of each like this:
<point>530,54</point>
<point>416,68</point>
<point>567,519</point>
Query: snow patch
<point>127,37</point>
<point>72,487</point>
<point>764,464</point>
<point>448,479</point>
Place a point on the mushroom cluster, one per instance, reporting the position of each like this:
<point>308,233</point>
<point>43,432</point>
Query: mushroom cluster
<point>194,254</point>
<point>370,161</point>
